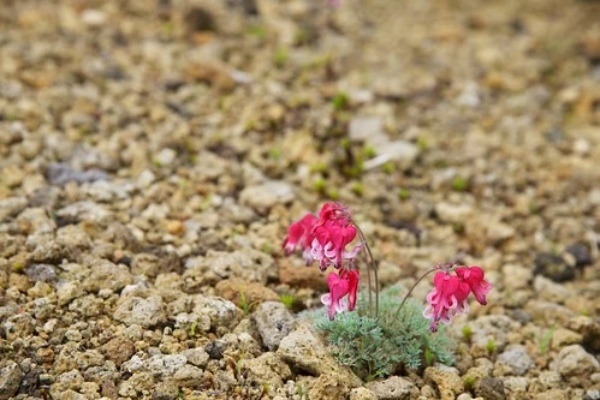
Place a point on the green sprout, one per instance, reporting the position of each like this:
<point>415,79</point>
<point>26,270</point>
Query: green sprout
<point>490,346</point>
<point>320,185</point>
<point>280,58</point>
<point>288,300</point>
<point>469,382</point>
<point>467,333</point>
<point>275,153</point>
<point>403,194</point>
<point>545,340</point>
<point>340,101</point>
<point>388,167</point>
<point>459,184</point>
<point>358,188</point>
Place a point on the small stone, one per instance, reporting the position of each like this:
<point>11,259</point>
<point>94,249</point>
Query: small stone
<point>394,388</point>
<point>92,17</point>
<point>60,174</point>
<point>10,379</point>
<point>69,291</point>
<point>274,322</point>
<point>188,376</point>
<point>554,267</point>
<point>144,312</point>
<point>553,394</point>
<point>364,129</point>
<point>253,293</point>
<point>514,360</point>
<point>565,337</point>
<point>119,349</point>
<point>490,389</point>
<point>446,379</point>
<point>362,393</point>
<point>267,369</point>
<point>166,391</point>
<point>197,357</point>
<point>41,272</point>
<point>574,361</point>
<point>264,196</point>
<point>453,213</point>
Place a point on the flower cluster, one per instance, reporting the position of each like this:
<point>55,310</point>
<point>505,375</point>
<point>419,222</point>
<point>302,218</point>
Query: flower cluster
<point>450,293</point>
<point>324,238</point>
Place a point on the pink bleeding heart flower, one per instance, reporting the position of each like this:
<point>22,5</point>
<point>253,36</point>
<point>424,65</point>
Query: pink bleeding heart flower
<point>341,285</point>
<point>473,276</point>
<point>330,241</point>
<point>300,233</point>
<point>447,299</point>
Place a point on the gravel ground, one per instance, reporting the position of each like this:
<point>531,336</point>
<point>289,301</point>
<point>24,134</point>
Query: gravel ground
<point>152,154</point>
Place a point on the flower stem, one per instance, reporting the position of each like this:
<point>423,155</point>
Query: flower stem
<point>371,266</point>
<point>412,288</point>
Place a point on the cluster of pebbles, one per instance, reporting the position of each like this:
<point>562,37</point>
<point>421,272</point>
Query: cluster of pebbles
<point>152,154</point>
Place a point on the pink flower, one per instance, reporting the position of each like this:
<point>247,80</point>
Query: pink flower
<point>474,278</point>
<point>447,299</point>
<point>324,238</point>
<point>301,234</point>
<point>341,285</point>
<point>449,296</point>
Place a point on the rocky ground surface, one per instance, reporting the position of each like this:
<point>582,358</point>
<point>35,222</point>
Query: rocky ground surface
<point>152,154</point>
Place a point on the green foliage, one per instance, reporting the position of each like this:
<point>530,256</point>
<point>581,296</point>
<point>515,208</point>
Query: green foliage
<point>403,194</point>
<point>491,346</point>
<point>467,333</point>
<point>288,300</point>
<point>460,184</point>
<point>340,101</point>
<point>545,340</point>
<point>378,347</point>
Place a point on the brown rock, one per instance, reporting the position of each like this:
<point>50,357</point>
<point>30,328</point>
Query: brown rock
<point>118,350</point>
<point>295,274</point>
<point>253,292</point>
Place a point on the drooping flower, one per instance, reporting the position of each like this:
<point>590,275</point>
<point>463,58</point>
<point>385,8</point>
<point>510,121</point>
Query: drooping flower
<point>449,295</point>
<point>342,292</point>
<point>324,238</point>
<point>447,299</point>
<point>474,278</point>
<point>301,234</point>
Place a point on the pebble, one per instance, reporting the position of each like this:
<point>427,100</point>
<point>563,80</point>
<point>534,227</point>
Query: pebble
<point>274,322</point>
<point>266,195</point>
<point>394,388</point>
<point>144,312</point>
<point>10,379</point>
<point>514,360</point>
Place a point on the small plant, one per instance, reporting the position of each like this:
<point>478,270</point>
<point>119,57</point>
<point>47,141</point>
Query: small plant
<point>546,340</point>
<point>280,58</point>
<point>383,334</point>
<point>288,300</point>
<point>404,194</point>
<point>340,101</point>
<point>467,333</point>
<point>490,346</point>
<point>459,184</point>
<point>469,382</point>
<point>358,189</point>
<point>245,304</point>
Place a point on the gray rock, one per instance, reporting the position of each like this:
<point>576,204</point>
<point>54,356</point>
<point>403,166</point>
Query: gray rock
<point>205,312</point>
<point>513,361</point>
<point>394,388</point>
<point>196,356</point>
<point>516,386</point>
<point>488,329</point>
<point>366,129</point>
<point>574,361</point>
<point>83,211</point>
<point>10,379</point>
<point>144,312</point>
<point>274,322</point>
<point>68,291</point>
<point>60,174</point>
<point>264,196</point>
<point>41,272</point>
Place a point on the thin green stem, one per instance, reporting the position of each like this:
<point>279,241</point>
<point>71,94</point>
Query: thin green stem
<point>412,288</point>
<point>371,266</point>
